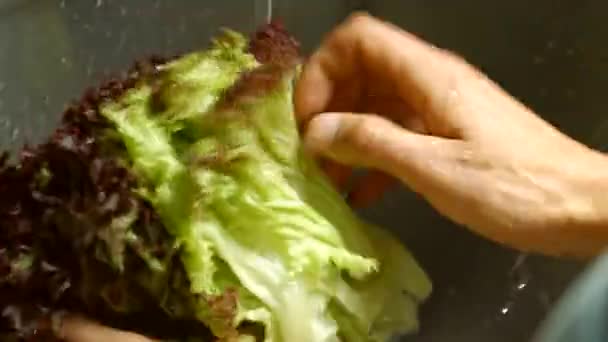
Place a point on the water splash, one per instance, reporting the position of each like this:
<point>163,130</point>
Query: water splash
<point>5,123</point>
<point>519,261</point>
<point>506,308</point>
<point>15,134</point>
<point>121,41</point>
<point>269,11</point>
<point>25,105</point>
<point>519,278</point>
<point>519,273</point>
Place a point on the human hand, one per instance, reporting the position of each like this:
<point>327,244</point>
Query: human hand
<point>449,133</point>
<point>76,329</point>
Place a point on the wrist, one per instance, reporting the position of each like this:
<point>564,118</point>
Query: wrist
<point>571,216</point>
<point>582,229</point>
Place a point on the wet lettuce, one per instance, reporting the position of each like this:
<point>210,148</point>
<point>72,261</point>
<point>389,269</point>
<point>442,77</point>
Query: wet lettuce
<point>224,219</point>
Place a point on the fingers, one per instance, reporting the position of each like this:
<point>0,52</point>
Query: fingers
<point>374,142</point>
<point>367,53</point>
<point>338,173</point>
<point>74,329</point>
<point>370,188</point>
<point>393,109</point>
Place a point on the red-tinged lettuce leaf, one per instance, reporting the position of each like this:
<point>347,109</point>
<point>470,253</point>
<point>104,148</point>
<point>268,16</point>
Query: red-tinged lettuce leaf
<point>75,234</point>
<point>181,192</point>
<point>273,45</point>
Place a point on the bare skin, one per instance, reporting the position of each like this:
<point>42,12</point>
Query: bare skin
<point>449,133</point>
<point>375,96</point>
<point>77,329</point>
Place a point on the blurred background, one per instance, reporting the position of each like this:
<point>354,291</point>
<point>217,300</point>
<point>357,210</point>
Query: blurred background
<point>551,54</point>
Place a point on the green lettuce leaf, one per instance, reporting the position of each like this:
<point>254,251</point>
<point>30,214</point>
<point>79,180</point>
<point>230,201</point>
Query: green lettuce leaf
<point>262,234</point>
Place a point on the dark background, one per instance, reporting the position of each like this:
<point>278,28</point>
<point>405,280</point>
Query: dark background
<point>552,55</point>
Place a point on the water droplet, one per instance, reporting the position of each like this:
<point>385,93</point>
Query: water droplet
<point>46,99</point>
<point>570,52</point>
<point>15,134</point>
<point>121,41</point>
<point>506,308</point>
<point>2,86</point>
<point>157,4</point>
<point>64,60</point>
<point>519,278</point>
<point>269,11</point>
<point>123,11</point>
<point>519,261</point>
<point>538,60</point>
<point>99,3</point>
<point>62,4</point>
<point>550,44</point>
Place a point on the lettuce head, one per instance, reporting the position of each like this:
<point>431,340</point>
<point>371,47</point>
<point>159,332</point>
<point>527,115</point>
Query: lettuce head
<point>184,189</point>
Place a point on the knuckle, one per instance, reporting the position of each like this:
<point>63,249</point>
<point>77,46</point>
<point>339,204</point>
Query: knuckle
<point>362,132</point>
<point>457,63</point>
<point>450,56</point>
<point>356,25</point>
<point>359,19</point>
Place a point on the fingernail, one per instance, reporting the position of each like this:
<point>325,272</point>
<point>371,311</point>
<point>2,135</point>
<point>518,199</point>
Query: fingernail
<point>322,131</point>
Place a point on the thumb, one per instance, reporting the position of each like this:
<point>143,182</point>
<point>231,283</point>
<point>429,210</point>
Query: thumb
<point>76,329</point>
<point>371,141</point>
